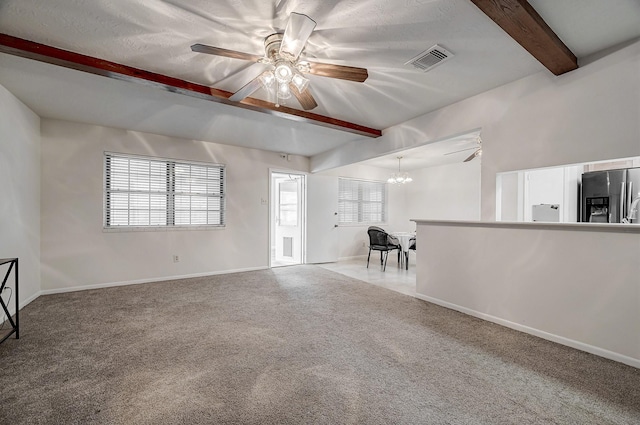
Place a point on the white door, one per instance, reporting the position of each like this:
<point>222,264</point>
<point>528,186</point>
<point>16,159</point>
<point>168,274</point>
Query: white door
<point>322,219</point>
<point>287,218</point>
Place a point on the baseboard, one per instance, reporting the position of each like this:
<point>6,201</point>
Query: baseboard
<point>355,257</point>
<point>24,303</point>
<point>32,298</point>
<point>149,280</point>
<point>21,305</point>
<point>536,332</point>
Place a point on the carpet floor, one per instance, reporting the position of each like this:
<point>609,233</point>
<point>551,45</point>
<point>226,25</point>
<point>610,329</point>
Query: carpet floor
<point>295,345</point>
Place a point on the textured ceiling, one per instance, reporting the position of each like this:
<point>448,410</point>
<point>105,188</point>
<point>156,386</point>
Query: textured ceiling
<point>452,150</point>
<point>380,35</point>
<point>590,26</point>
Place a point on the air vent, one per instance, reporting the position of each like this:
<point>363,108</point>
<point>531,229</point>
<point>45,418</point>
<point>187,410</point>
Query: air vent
<point>430,58</point>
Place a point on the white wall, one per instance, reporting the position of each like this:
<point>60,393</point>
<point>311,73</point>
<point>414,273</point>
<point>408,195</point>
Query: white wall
<point>20,194</point>
<point>444,192</point>
<point>590,114</point>
<point>447,192</point>
<point>354,240</point>
<point>570,283</point>
<point>77,253</point>
<point>509,197</point>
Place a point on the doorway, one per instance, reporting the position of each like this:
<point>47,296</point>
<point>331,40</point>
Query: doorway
<point>287,218</point>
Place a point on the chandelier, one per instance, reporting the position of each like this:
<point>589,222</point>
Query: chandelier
<point>399,177</point>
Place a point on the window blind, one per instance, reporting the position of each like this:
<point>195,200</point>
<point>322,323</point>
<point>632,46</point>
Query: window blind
<point>361,201</point>
<point>148,192</point>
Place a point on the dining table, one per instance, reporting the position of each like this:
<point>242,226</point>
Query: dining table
<point>405,240</point>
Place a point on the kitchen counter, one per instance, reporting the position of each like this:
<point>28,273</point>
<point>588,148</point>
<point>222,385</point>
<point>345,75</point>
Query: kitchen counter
<point>577,284</point>
<point>587,227</point>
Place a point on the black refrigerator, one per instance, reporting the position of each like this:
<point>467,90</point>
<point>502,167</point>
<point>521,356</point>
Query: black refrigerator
<point>607,196</point>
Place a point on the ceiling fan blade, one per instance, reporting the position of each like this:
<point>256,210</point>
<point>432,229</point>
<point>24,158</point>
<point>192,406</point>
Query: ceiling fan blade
<point>298,30</point>
<point>218,51</point>
<point>305,98</point>
<point>473,155</point>
<point>246,90</point>
<point>461,150</point>
<point>349,73</point>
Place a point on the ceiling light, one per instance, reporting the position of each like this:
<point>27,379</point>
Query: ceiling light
<point>284,57</point>
<point>266,79</point>
<point>283,91</point>
<point>399,177</point>
<point>300,82</point>
<point>283,72</point>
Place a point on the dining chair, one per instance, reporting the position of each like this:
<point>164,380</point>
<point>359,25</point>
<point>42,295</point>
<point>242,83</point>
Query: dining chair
<point>412,245</point>
<point>379,240</point>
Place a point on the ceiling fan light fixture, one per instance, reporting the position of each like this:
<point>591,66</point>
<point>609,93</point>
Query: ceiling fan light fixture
<point>300,82</point>
<point>282,55</point>
<point>267,79</point>
<point>283,72</point>
<point>283,91</point>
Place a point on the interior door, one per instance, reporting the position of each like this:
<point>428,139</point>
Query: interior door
<point>322,219</point>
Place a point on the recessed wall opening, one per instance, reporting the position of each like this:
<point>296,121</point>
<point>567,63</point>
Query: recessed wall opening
<point>557,194</point>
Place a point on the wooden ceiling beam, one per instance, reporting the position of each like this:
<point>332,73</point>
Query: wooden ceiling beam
<point>521,21</point>
<point>66,59</point>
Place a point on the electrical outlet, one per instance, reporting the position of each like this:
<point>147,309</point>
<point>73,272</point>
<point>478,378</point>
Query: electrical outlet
<point>364,244</point>
<point>176,259</point>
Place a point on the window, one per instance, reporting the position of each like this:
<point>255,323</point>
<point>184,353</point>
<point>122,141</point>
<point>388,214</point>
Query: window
<point>155,192</point>
<point>361,201</point>
<point>288,197</point>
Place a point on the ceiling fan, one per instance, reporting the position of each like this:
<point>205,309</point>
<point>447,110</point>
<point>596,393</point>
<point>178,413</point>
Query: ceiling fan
<point>285,75</point>
<point>476,153</point>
